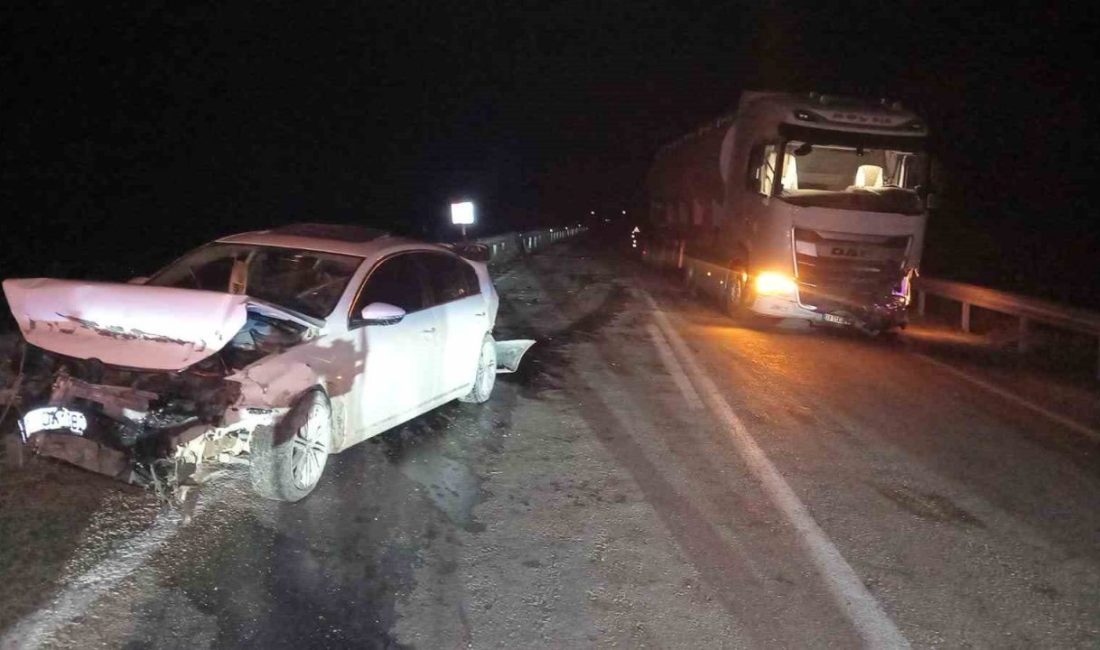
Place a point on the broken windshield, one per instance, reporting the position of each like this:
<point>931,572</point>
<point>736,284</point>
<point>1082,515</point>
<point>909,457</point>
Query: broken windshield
<point>852,177</point>
<point>309,282</point>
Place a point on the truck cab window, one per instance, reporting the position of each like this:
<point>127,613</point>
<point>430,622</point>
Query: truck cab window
<point>851,177</point>
<point>762,162</point>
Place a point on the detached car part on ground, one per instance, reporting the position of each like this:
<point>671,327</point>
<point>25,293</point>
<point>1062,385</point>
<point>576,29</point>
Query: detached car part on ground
<point>274,348</point>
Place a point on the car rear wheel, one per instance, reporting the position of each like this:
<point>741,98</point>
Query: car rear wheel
<point>288,459</point>
<point>486,373</point>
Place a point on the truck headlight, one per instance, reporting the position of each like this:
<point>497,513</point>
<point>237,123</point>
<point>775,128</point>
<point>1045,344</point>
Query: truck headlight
<point>770,283</point>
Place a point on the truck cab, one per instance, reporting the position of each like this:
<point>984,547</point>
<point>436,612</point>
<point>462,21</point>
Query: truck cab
<point>808,207</point>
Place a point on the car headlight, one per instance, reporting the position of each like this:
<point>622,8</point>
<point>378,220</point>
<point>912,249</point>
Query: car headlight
<point>770,283</point>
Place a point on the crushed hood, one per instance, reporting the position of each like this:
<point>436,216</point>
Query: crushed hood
<point>132,325</point>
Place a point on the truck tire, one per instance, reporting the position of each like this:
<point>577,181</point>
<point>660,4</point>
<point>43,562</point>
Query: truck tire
<point>288,458</point>
<point>735,295</point>
<point>486,373</point>
<point>689,282</point>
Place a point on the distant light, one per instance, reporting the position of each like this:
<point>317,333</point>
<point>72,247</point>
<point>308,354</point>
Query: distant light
<point>624,211</point>
<point>591,212</point>
<point>462,213</point>
<point>636,229</point>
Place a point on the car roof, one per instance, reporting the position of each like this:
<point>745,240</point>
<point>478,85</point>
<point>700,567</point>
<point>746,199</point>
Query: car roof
<point>329,238</point>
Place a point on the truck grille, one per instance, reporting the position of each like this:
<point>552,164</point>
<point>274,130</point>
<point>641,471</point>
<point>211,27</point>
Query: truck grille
<point>836,271</point>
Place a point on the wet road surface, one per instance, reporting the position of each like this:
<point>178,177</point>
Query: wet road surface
<point>657,475</point>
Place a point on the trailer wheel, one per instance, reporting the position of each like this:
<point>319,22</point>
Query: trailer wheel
<point>288,459</point>
<point>689,282</point>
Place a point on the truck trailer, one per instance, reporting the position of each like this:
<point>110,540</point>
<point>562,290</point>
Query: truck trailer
<point>809,207</point>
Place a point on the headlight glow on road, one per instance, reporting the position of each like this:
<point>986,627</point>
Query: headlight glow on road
<point>770,283</point>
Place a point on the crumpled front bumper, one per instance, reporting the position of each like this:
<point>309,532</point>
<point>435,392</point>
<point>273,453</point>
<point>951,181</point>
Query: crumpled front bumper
<point>85,453</point>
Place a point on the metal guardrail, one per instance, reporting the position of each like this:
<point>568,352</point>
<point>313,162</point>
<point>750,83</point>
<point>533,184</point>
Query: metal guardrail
<point>1028,310</point>
<point>506,246</point>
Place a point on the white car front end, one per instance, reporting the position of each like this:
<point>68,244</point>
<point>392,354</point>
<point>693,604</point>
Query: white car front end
<point>146,382</point>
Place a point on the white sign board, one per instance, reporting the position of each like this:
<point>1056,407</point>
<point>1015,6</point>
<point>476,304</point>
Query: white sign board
<point>462,213</point>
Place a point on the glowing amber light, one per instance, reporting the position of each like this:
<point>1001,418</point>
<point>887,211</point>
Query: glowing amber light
<point>770,283</point>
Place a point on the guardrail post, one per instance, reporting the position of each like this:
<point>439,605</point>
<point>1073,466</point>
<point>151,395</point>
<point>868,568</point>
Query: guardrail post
<point>920,303</point>
<point>966,317</point>
<point>1024,344</point>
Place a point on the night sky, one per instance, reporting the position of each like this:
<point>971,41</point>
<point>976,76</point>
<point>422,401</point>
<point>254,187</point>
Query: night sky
<point>133,131</point>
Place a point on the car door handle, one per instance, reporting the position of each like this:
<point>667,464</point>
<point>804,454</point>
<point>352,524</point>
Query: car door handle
<point>428,331</point>
<point>481,313</point>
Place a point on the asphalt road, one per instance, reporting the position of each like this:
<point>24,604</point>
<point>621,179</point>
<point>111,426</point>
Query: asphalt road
<point>657,475</point>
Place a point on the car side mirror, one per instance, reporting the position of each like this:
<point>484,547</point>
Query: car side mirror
<point>381,313</point>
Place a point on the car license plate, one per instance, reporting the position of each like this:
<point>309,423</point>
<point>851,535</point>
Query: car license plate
<point>53,418</point>
<point>839,320</point>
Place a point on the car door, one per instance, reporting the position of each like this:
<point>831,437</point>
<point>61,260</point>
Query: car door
<point>456,294</point>
<point>398,378</point>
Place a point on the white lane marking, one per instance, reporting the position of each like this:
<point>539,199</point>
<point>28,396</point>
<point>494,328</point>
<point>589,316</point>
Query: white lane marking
<point>80,593</point>
<point>1073,425</point>
<point>38,628</point>
<point>849,592</point>
<point>674,369</point>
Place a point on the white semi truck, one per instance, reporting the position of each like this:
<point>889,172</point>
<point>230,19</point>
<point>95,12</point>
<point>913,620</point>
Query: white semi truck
<point>809,207</point>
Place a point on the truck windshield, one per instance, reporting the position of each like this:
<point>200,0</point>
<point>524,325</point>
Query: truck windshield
<point>852,177</point>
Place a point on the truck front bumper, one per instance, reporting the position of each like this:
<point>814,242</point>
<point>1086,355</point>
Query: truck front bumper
<point>874,318</point>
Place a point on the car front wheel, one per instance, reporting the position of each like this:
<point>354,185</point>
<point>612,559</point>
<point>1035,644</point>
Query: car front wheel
<point>486,373</point>
<point>288,459</point>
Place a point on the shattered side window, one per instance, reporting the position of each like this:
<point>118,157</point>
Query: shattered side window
<point>449,277</point>
<point>309,282</point>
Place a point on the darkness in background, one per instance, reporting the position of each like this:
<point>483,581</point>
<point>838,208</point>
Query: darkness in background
<point>133,131</point>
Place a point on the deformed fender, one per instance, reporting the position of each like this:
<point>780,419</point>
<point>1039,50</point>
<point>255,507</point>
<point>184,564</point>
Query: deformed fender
<point>275,385</point>
<point>510,353</point>
<point>278,383</point>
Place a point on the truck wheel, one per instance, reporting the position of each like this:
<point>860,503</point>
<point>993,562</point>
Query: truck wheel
<point>486,373</point>
<point>736,296</point>
<point>734,301</point>
<point>287,459</point>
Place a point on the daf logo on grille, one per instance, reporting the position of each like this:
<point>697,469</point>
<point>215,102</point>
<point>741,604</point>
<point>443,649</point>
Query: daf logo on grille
<point>845,251</point>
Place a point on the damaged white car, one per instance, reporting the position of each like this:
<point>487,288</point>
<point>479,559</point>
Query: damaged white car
<point>277,348</point>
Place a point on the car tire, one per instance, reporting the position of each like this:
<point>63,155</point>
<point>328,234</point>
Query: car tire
<point>288,458</point>
<point>486,373</point>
